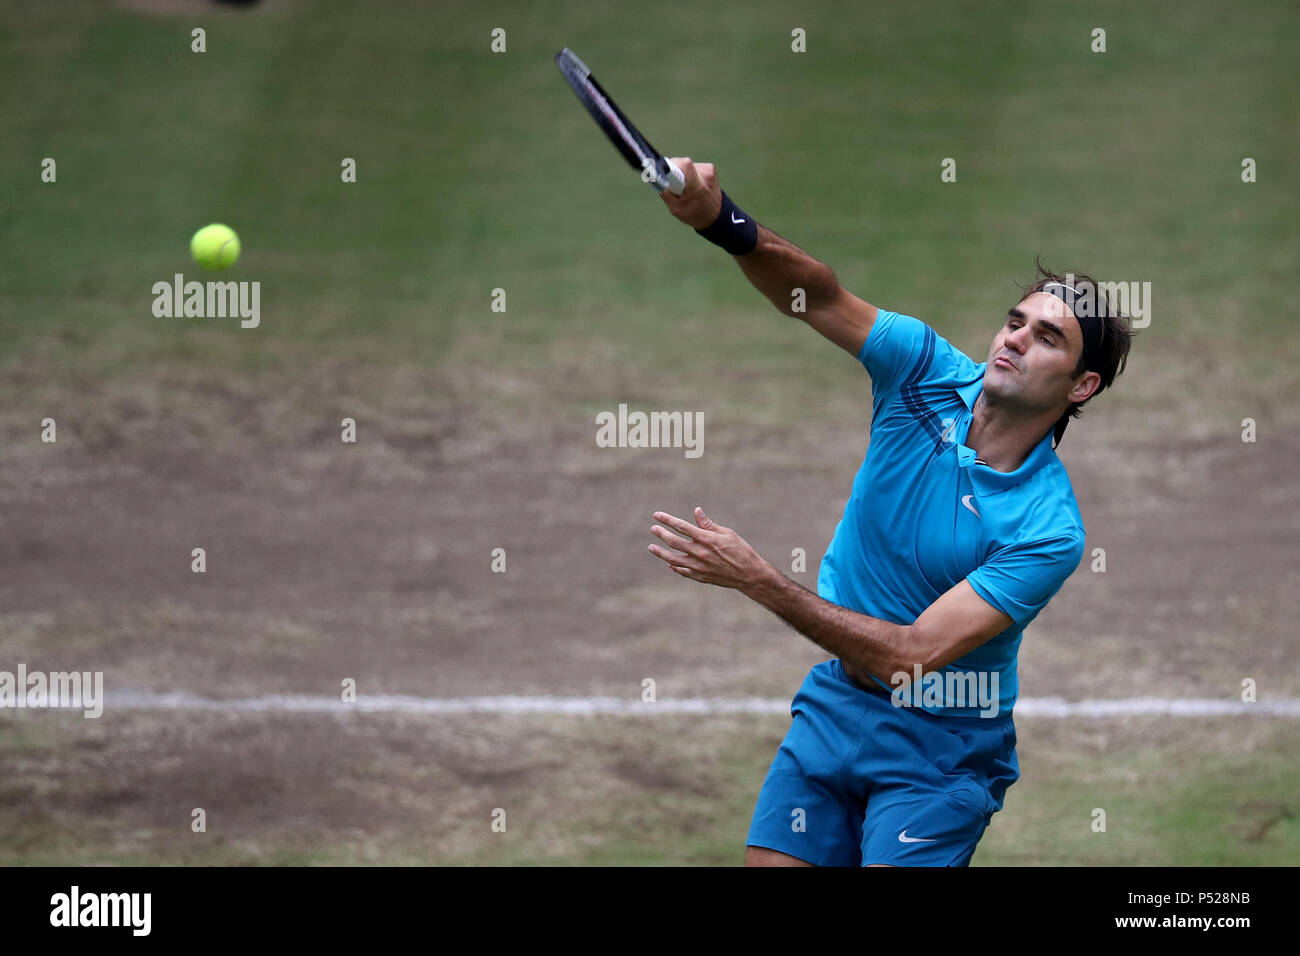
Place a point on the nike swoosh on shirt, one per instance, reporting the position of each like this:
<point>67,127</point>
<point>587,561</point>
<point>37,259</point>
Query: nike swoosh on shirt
<point>904,838</point>
<point>736,221</point>
<point>965,500</point>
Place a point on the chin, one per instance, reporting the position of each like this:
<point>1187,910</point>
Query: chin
<point>993,386</point>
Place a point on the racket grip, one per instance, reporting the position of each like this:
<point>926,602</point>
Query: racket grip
<point>676,180</point>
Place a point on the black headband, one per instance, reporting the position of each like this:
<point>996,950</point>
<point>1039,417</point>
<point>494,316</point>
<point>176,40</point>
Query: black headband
<point>1088,308</point>
<point>1090,312</point>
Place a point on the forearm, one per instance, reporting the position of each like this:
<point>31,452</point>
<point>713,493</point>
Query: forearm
<point>959,621</point>
<point>880,648</point>
<point>777,267</point>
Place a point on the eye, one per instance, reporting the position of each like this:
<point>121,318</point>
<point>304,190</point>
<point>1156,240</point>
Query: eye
<point>1045,340</point>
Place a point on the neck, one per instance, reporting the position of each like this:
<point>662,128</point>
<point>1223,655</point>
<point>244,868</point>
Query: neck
<point>1001,437</point>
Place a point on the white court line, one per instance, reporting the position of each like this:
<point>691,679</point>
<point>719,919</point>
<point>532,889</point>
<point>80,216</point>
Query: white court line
<point>592,706</point>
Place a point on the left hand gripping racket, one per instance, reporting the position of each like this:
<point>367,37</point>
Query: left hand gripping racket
<point>661,173</point>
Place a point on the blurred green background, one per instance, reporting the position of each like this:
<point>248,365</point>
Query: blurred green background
<point>479,170</point>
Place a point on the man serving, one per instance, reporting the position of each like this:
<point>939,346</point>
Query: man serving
<point>961,526</point>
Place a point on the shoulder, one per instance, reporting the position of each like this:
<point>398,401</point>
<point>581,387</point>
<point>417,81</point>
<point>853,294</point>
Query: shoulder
<point>904,351</point>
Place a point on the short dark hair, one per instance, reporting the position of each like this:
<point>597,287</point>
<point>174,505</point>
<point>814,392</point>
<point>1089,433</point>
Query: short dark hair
<point>1110,358</point>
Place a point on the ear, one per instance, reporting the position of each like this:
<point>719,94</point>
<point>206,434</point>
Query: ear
<point>1085,387</point>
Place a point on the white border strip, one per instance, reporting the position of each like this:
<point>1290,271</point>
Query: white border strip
<point>593,706</point>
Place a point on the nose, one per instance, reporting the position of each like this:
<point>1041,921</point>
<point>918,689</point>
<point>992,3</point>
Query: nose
<point>1017,339</point>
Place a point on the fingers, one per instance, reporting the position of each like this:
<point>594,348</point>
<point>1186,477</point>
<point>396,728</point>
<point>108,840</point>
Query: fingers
<point>685,545</point>
<point>700,177</point>
<point>688,174</point>
<point>684,528</point>
<point>685,558</point>
<point>675,560</point>
<point>688,169</point>
<point>693,171</point>
<point>704,521</point>
<point>691,547</point>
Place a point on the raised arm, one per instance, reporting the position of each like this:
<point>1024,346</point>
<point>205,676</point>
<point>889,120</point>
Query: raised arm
<point>777,267</point>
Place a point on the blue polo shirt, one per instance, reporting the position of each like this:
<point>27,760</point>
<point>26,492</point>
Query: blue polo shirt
<point>925,514</point>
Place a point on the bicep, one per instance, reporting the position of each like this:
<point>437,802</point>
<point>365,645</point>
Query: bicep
<point>954,625</point>
<point>846,321</point>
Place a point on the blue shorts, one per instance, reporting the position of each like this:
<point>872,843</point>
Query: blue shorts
<point>860,781</point>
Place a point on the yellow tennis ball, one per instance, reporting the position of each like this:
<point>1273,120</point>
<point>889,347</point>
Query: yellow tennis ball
<point>215,246</point>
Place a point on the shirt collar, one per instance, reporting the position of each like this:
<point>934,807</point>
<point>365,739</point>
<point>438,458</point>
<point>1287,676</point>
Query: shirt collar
<point>984,479</point>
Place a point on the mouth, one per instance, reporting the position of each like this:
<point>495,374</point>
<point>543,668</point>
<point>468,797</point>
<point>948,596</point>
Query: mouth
<point>1003,363</point>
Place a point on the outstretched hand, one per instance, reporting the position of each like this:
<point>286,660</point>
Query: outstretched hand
<point>707,552</point>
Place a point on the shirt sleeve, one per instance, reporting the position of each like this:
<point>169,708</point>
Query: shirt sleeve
<point>1021,578</point>
<point>902,351</point>
<point>898,351</point>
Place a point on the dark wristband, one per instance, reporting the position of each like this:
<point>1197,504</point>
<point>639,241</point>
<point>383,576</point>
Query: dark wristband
<point>733,230</point>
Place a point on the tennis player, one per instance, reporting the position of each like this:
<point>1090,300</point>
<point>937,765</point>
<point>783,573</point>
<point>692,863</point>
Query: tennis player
<point>961,526</point>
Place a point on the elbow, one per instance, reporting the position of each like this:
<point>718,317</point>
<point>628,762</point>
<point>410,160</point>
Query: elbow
<point>918,653</point>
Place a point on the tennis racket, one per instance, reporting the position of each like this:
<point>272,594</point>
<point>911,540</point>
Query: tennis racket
<point>661,173</point>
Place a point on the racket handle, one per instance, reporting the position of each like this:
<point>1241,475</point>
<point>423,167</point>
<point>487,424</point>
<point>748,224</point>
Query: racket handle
<point>676,180</point>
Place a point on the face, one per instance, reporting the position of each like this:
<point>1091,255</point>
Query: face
<point>1034,355</point>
